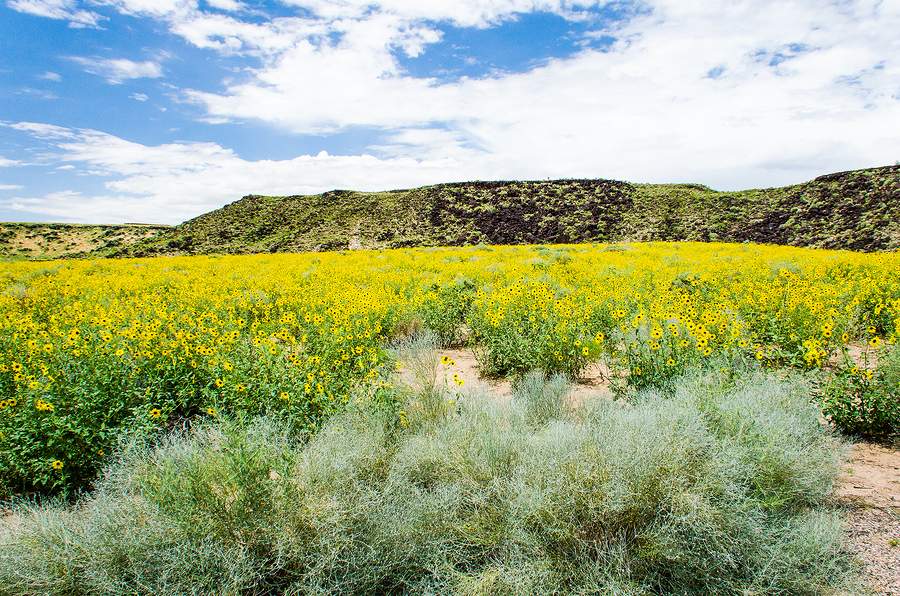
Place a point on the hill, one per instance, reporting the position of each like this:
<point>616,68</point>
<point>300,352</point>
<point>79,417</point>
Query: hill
<point>58,241</point>
<point>857,210</point>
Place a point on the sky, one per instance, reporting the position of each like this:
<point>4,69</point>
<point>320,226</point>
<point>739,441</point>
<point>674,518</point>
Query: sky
<point>160,110</point>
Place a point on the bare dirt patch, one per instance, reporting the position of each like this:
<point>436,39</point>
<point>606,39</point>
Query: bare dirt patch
<point>592,384</point>
<point>870,488</point>
<point>466,366</point>
<point>859,354</point>
<point>872,477</point>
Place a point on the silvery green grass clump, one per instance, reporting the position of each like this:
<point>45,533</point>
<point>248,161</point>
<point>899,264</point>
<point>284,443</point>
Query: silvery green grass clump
<point>721,486</point>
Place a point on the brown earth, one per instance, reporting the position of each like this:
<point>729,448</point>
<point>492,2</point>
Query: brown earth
<point>593,383</point>
<point>870,489</point>
<point>872,477</point>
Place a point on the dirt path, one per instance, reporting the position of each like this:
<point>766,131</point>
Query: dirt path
<point>870,488</point>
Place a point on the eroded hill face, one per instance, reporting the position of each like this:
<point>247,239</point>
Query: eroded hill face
<point>857,210</point>
<point>59,241</point>
<point>854,210</point>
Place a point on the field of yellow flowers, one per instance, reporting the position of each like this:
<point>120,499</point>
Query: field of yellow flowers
<point>90,350</point>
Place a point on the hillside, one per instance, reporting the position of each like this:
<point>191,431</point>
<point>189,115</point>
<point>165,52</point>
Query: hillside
<point>858,210</point>
<point>59,241</point>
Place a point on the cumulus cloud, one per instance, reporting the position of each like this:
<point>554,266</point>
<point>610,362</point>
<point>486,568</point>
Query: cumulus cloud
<point>65,10</point>
<point>464,13</point>
<point>734,94</point>
<point>228,35</point>
<point>172,182</point>
<point>118,70</point>
<point>226,5</point>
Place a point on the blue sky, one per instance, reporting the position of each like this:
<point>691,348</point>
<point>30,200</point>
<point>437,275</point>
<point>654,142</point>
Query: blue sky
<point>159,110</point>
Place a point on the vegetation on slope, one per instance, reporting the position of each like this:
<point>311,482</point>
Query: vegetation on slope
<point>855,210</point>
<point>41,241</point>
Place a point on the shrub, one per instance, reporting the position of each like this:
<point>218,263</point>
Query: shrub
<point>541,396</point>
<point>534,324</point>
<point>863,400</point>
<point>444,310</point>
<point>719,489</point>
<point>426,391</point>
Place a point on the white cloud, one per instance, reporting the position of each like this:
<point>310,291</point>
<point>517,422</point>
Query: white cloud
<point>10,186</point>
<point>5,163</point>
<point>221,32</point>
<point>41,130</point>
<point>57,206</point>
<point>173,182</point>
<point>66,10</point>
<point>228,35</point>
<point>139,97</point>
<point>464,13</point>
<point>118,70</point>
<point>644,109</point>
<point>426,143</point>
<point>155,8</point>
<point>50,76</point>
<point>733,94</point>
<point>38,93</point>
<point>407,26</point>
<point>227,5</point>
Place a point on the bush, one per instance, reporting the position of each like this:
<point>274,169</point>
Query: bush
<point>719,489</point>
<point>444,310</point>
<point>535,324</point>
<point>865,401</point>
<point>541,396</point>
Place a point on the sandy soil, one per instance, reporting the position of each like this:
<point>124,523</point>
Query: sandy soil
<point>594,382</point>
<point>859,354</point>
<point>872,477</point>
<point>870,488</point>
